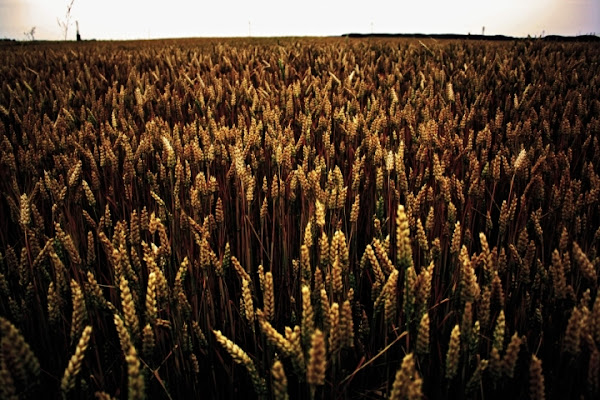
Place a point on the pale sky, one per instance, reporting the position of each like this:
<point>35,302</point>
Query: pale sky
<point>143,19</point>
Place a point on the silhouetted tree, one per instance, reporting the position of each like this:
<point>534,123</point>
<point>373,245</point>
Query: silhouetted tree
<point>31,34</point>
<point>64,24</point>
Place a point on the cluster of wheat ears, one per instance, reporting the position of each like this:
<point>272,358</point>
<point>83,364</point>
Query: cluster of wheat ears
<point>315,218</point>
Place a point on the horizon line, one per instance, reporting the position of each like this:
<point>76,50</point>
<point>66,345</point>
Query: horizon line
<point>477,36</point>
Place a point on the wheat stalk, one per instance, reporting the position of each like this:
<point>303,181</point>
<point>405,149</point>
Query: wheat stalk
<point>72,370</point>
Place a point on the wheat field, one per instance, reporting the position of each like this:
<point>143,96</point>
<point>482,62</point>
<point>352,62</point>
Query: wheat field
<point>300,218</point>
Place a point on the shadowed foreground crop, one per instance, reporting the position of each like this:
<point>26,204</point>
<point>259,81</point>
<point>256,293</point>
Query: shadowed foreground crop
<point>313,218</point>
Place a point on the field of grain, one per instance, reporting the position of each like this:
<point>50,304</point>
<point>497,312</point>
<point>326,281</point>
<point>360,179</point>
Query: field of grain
<point>300,218</point>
